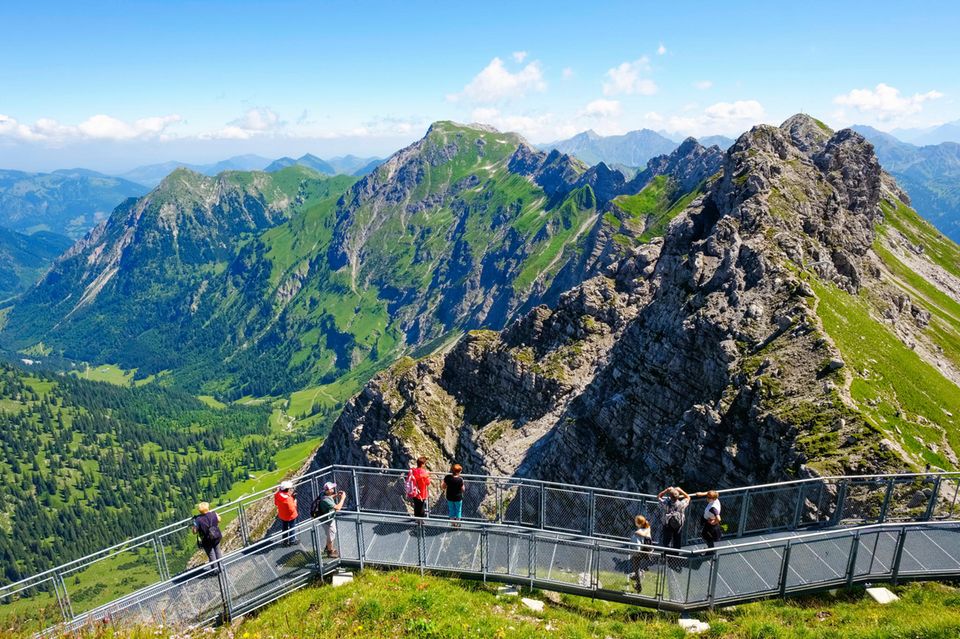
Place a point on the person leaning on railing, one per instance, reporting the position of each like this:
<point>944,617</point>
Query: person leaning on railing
<point>710,529</point>
<point>331,501</point>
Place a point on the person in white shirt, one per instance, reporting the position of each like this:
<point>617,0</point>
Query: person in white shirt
<point>640,560</point>
<point>710,526</point>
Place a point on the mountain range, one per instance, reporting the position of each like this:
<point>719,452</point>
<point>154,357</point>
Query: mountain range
<point>66,202</point>
<point>633,149</point>
<point>924,136</point>
<point>727,270</point>
<point>262,283</point>
<point>930,174</point>
<point>795,317</point>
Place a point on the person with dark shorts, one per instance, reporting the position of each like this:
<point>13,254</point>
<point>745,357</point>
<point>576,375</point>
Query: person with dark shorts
<point>420,477</point>
<point>454,487</point>
<point>286,504</point>
<point>710,528</point>
<point>673,502</point>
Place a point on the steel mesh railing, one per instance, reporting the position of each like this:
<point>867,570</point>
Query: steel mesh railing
<point>82,586</point>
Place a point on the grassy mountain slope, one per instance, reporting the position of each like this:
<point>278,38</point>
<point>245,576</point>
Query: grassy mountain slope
<point>401,604</point>
<point>263,283</point>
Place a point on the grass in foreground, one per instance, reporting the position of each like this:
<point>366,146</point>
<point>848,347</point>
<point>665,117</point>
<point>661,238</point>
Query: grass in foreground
<point>403,604</point>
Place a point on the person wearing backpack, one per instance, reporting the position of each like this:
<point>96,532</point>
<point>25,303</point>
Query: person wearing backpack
<point>206,526</point>
<point>286,504</point>
<point>673,502</point>
<point>331,501</point>
<point>640,560</point>
<point>418,487</point>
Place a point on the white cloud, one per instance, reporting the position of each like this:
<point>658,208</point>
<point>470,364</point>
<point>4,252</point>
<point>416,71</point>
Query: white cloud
<point>885,102</point>
<point>602,109</point>
<point>519,56</point>
<point>729,118</point>
<point>257,119</point>
<point>661,49</point>
<point>703,85</point>
<point>96,127</point>
<point>105,127</point>
<point>567,73</point>
<point>495,82</point>
<point>628,78</point>
<point>741,110</point>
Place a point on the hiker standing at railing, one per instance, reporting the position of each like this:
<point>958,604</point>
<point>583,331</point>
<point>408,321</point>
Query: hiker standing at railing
<point>640,561</point>
<point>418,487</point>
<point>331,501</point>
<point>710,531</point>
<point>206,525</point>
<point>454,487</point>
<point>286,504</point>
<point>674,501</point>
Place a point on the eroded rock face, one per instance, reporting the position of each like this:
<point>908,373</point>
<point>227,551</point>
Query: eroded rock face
<point>698,358</point>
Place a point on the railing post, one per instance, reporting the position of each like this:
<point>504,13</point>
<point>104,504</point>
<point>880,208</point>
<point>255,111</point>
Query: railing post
<point>315,536</point>
<point>712,584</point>
<point>244,526</point>
<point>421,547</point>
<point>841,499</point>
<point>744,507</point>
<point>897,555</point>
<point>543,506</point>
<point>592,519</point>
<point>498,496</point>
<point>931,506</point>
<point>157,555</point>
<point>224,590</point>
<point>886,501</point>
<point>66,597</point>
<point>798,509</point>
<point>484,553</point>
<point>361,551</point>
<point>532,559</point>
<point>852,563</point>
<point>784,567</point>
<point>356,488</point>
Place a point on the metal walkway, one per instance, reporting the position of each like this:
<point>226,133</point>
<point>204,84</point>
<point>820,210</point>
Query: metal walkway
<point>780,539</point>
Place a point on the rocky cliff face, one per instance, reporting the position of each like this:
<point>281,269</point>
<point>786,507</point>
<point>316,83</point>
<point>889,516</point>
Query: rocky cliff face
<point>712,355</point>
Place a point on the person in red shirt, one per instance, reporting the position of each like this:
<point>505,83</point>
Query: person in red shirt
<point>421,477</point>
<point>286,504</point>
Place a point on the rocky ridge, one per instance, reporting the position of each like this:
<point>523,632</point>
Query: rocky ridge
<point>702,356</point>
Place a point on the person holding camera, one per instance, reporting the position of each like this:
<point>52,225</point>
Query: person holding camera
<point>331,501</point>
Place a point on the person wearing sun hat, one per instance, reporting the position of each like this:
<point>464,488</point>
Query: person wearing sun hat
<point>331,501</point>
<point>286,504</point>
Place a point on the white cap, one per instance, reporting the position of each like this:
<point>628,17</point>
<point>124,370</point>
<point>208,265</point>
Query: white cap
<point>286,484</point>
<point>329,486</point>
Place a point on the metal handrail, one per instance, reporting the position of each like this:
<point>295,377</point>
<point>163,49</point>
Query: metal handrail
<point>500,482</point>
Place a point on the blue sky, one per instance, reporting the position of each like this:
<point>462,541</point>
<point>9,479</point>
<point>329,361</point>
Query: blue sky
<point>109,86</point>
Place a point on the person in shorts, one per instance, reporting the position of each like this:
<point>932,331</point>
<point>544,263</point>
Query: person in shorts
<point>331,501</point>
<point>454,487</point>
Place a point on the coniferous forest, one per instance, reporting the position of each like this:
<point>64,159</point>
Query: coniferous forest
<point>87,464</point>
